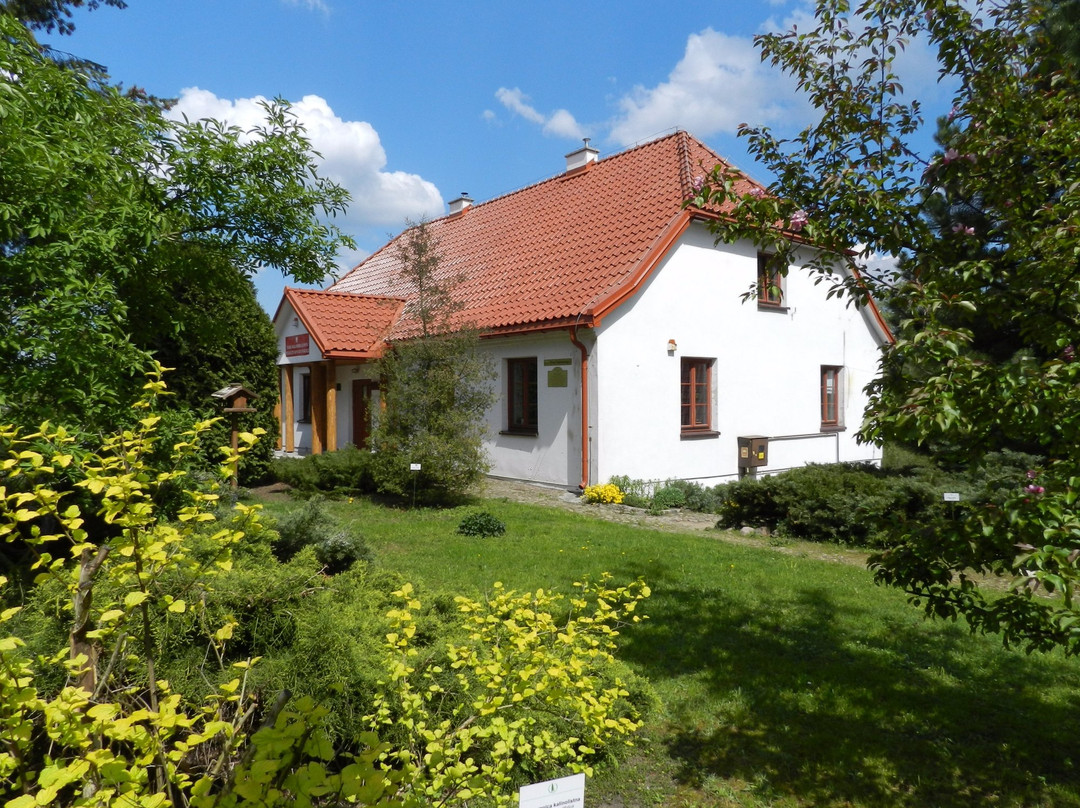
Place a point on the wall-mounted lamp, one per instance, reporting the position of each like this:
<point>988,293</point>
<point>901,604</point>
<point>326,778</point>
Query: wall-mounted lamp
<point>671,346</point>
<point>295,321</point>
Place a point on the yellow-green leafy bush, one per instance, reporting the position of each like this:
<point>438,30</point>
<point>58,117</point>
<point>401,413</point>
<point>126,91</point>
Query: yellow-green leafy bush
<point>507,687</point>
<point>115,733</point>
<point>521,686</point>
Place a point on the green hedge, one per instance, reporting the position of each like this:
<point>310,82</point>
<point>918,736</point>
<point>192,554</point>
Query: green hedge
<point>861,504</point>
<point>345,470</point>
<point>846,503</point>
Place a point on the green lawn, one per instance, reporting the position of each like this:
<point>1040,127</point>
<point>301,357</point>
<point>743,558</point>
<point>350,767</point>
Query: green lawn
<point>783,680</point>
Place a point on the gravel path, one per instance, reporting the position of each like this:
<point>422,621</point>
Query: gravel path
<point>676,521</point>
<point>673,521</point>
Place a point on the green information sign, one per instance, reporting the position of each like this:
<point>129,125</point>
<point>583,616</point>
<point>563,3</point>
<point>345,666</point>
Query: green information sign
<point>556,377</point>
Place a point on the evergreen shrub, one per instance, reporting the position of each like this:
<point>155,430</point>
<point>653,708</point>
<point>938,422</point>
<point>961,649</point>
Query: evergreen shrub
<point>845,503</point>
<point>345,470</point>
<point>311,526</point>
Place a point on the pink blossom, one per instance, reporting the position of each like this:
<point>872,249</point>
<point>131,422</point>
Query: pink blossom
<point>953,113</point>
<point>1035,489</point>
<point>966,230</point>
<point>798,220</point>
<point>698,183</point>
<point>1032,474</point>
<point>757,192</point>
<point>950,155</point>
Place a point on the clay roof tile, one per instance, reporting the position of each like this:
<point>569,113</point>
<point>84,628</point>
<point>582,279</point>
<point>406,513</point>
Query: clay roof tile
<point>346,325</point>
<point>555,251</point>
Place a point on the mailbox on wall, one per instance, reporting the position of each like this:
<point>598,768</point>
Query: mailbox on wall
<point>753,451</point>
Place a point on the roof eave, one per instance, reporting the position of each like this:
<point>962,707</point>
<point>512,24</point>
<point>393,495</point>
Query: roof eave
<point>645,267</point>
<point>375,352</point>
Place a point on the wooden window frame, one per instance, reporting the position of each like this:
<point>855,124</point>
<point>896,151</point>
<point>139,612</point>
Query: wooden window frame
<point>691,369</point>
<point>526,422</point>
<point>770,285</point>
<point>832,420</point>
<point>305,398</point>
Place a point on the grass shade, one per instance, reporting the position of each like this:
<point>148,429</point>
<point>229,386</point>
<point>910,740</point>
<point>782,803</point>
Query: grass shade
<point>784,679</point>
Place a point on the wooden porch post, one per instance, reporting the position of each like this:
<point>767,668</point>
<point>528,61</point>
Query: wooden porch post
<point>287,418</point>
<point>318,407</point>
<point>331,406</point>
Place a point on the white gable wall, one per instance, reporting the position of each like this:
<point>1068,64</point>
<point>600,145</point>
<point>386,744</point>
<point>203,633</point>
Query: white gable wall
<point>552,456</point>
<point>288,324</point>
<point>766,368</point>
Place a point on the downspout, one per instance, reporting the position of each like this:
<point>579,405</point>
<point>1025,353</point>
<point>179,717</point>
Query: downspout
<point>584,407</point>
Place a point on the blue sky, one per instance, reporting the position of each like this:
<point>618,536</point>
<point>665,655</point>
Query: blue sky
<point>413,103</point>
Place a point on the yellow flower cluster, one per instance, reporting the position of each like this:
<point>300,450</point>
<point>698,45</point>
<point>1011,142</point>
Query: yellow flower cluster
<point>604,494</point>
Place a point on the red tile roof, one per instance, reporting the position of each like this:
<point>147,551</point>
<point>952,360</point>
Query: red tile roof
<point>562,251</point>
<point>345,325</point>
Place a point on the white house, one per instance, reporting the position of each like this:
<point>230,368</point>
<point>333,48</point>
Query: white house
<point>619,330</point>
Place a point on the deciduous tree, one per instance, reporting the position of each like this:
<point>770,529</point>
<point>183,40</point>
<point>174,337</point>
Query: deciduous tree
<point>1006,263</point>
<point>52,15</point>
<point>436,387</point>
<point>109,212</point>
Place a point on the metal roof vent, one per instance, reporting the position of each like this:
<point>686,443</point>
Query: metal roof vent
<point>458,205</point>
<point>582,157</point>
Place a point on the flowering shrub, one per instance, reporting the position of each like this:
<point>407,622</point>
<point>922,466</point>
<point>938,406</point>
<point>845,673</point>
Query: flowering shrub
<point>608,494</point>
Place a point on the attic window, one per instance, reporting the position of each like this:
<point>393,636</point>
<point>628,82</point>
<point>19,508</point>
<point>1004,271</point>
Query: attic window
<point>832,405</point>
<point>770,283</point>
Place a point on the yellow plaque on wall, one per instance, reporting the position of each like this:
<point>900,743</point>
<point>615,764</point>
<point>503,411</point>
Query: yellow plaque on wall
<point>556,377</point>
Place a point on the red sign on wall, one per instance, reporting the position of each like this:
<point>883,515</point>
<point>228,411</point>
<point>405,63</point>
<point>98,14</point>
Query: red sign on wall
<point>296,345</point>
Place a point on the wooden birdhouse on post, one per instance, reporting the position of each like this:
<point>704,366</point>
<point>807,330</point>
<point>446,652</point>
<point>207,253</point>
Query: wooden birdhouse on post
<point>236,398</point>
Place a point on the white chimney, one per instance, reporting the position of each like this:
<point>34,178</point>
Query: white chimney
<point>582,157</point>
<point>458,205</point>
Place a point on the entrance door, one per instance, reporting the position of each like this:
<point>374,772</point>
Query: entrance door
<point>361,410</point>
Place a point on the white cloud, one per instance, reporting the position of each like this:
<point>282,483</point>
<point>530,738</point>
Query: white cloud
<point>719,83</point>
<point>560,123</point>
<point>352,155</point>
<point>514,100</point>
<point>310,5</point>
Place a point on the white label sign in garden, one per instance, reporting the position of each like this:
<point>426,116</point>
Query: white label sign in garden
<point>565,792</point>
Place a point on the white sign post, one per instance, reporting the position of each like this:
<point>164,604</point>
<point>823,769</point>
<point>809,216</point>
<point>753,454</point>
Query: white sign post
<point>566,792</point>
<point>414,467</point>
